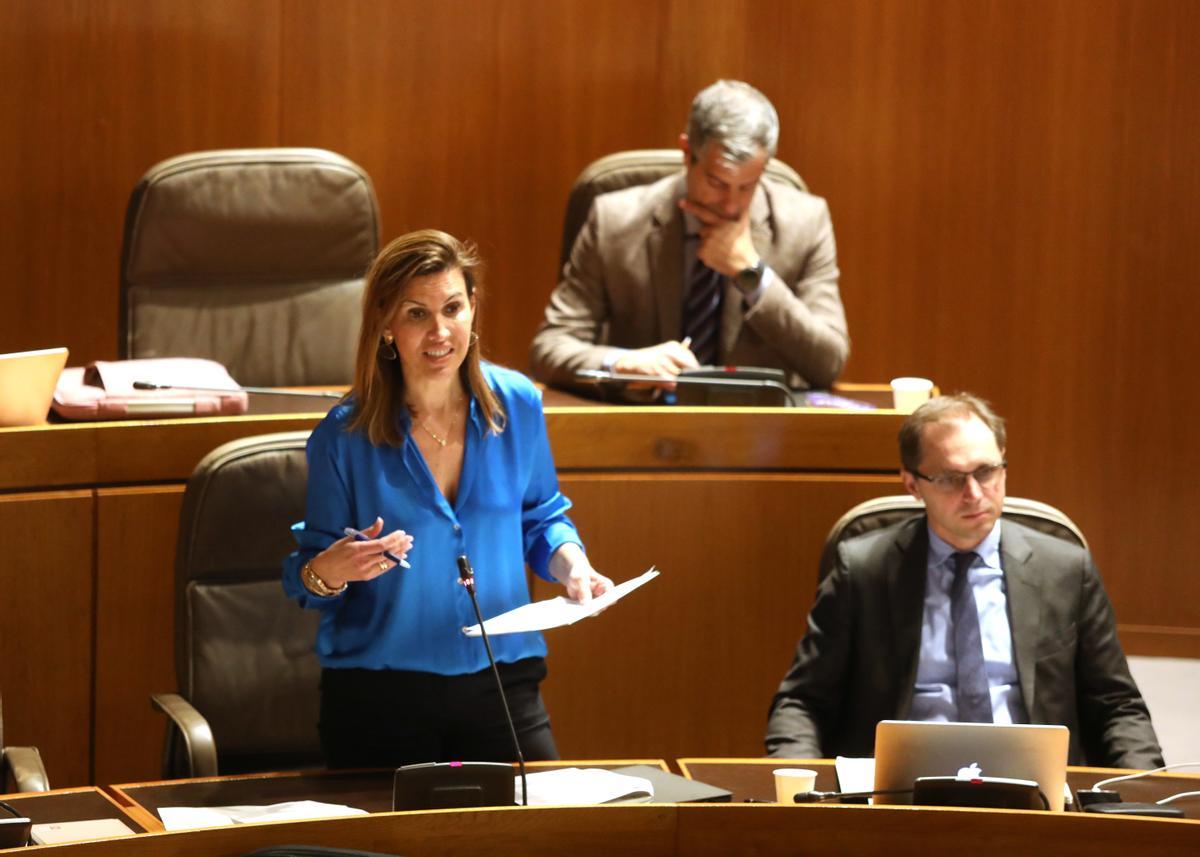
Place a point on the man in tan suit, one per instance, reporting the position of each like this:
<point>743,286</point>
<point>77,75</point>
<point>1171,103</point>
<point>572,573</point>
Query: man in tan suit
<point>714,265</point>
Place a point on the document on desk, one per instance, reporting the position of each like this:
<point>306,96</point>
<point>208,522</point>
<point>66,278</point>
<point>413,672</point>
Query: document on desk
<point>556,612</point>
<point>586,786</point>
<point>194,817</point>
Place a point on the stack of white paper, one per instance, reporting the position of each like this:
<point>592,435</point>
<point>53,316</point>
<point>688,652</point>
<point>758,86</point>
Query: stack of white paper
<point>192,817</point>
<point>584,786</point>
<point>555,612</point>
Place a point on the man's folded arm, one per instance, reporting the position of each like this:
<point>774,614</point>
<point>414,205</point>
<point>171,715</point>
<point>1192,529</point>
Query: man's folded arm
<point>805,320</point>
<point>810,696</point>
<point>1112,712</point>
<point>566,340</point>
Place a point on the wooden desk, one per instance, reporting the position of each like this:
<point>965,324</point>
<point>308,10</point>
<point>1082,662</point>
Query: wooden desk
<point>367,790</point>
<point>675,830</point>
<point>751,779</point>
<point>732,506</point>
<point>66,805</point>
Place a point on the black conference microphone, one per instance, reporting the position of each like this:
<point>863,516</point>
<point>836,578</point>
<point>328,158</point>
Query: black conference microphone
<point>261,391</point>
<point>466,576</point>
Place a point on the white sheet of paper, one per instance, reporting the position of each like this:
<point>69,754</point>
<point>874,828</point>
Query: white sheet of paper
<point>855,775</point>
<point>193,817</point>
<point>585,786</point>
<point>556,612</point>
<point>79,831</point>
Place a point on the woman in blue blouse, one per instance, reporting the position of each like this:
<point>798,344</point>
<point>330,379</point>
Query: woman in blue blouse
<point>434,454</point>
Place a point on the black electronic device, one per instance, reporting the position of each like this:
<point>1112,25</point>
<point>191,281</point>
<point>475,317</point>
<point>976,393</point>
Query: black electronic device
<point>1087,797</point>
<point>1133,808</point>
<point>449,785</point>
<point>993,792</point>
<point>722,386</point>
<point>733,386</point>
<point>14,828</point>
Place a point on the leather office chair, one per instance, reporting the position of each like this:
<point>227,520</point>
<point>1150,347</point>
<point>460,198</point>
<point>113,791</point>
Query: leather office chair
<point>21,768</point>
<point>882,512</point>
<point>638,166</point>
<point>248,677</point>
<point>250,257</point>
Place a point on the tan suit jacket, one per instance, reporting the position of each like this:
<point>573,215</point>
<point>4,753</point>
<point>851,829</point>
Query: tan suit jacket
<point>623,286</point>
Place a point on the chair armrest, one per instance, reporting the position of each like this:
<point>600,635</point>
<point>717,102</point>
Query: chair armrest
<point>197,734</point>
<point>26,769</point>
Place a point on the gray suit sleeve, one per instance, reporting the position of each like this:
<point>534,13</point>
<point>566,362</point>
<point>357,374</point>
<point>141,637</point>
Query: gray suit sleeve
<point>1113,717</point>
<point>803,318</point>
<point>810,696</point>
<point>566,341</point>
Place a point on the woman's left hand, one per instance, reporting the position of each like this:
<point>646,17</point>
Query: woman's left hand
<point>569,566</point>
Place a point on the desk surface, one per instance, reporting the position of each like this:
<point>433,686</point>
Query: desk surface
<point>696,830</point>
<point>369,790</point>
<point>585,435</point>
<point>751,780</point>
<point>82,804</point>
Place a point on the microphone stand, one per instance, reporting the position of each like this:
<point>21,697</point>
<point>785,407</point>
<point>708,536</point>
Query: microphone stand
<point>466,576</point>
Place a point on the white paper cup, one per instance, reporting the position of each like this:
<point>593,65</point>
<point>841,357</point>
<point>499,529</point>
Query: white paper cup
<point>790,782</point>
<point>909,393</point>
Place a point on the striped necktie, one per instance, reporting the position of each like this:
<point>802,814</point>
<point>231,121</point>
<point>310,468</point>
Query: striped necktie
<point>702,311</point>
<point>974,697</point>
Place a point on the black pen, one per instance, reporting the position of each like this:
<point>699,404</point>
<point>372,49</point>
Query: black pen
<point>363,537</point>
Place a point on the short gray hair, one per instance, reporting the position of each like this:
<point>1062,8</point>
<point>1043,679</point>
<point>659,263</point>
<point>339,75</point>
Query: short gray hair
<point>735,115</point>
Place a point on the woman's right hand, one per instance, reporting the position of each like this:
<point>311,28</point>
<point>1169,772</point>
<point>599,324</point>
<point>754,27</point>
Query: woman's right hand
<point>349,559</point>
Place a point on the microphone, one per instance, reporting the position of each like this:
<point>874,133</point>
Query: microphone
<point>821,797</point>
<point>262,391</point>
<point>466,576</point>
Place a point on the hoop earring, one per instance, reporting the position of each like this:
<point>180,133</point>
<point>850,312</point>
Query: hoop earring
<point>387,347</point>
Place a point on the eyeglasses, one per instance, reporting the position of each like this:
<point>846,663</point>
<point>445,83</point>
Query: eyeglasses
<point>953,481</point>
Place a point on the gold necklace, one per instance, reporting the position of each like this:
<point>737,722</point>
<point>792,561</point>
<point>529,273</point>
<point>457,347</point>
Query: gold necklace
<point>438,439</point>
<point>441,441</point>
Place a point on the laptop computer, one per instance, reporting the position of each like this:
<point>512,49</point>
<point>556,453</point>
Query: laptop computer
<point>27,380</point>
<point>906,750</point>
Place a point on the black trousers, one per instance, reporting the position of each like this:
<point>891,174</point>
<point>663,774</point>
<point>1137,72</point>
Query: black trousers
<point>388,718</point>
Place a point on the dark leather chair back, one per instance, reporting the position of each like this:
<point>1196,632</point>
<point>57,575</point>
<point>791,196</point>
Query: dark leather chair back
<point>882,512</point>
<point>637,166</point>
<point>243,650</point>
<point>250,257</point>
<point>21,768</point>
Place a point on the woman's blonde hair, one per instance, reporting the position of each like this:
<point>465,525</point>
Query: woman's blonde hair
<point>378,390</point>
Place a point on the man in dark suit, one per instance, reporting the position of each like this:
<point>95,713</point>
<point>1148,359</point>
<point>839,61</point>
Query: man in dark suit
<point>956,615</point>
<point>712,265</point>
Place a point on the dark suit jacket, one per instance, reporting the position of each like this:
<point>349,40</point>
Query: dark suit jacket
<point>623,286</point>
<point>858,662</point>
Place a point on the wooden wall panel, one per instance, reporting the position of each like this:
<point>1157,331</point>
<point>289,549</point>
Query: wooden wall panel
<point>97,91</point>
<point>135,628</point>
<point>475,118</point>
<point>46,674</point>
<point>689,663</point>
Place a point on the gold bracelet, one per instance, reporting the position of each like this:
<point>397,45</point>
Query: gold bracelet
<point>314,584</point>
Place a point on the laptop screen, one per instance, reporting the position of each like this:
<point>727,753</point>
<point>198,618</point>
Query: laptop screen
<point>905,750</point>
<point>27,380</point>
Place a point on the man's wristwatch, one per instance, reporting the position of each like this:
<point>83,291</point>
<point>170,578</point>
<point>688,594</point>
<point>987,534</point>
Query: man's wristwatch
<point>748,279</point>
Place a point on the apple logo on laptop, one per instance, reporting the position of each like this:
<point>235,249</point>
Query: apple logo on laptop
<point>970,772</point>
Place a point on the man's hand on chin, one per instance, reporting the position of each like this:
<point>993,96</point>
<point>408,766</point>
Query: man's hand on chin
<point>725,245</point>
